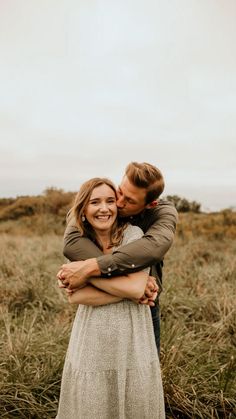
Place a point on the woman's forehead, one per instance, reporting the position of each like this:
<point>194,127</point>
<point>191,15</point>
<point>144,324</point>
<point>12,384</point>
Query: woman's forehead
<point>102,191</point>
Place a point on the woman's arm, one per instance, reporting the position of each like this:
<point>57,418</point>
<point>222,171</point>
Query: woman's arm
<point>91,296</point>
<point>108,291</point>
<point>130,286</point>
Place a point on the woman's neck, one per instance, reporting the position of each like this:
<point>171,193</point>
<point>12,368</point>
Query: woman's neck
<point>104,238</point>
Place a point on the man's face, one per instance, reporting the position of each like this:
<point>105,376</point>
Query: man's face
<point>131,200</point>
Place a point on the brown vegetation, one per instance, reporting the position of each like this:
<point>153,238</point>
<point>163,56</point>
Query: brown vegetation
<point>46,213</point>
<point>53,201</point>
<point>198,344</point>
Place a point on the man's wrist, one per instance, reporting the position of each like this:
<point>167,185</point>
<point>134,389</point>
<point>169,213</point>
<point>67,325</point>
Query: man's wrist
<point>92,268</point>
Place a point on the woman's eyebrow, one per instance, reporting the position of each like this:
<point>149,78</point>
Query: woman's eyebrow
<point>94,199</point>
<point>99,198</point>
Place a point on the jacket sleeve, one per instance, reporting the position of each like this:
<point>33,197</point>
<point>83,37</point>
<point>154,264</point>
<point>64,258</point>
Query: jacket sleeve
<point>77,247</point>
<point>146,251</point>
<point>131,257</point>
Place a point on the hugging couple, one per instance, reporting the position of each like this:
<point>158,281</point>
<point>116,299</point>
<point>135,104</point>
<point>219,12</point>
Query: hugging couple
<point>115,240</point>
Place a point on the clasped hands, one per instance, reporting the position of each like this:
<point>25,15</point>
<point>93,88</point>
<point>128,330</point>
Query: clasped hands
<point>74,275</point>
<point>150,293</point>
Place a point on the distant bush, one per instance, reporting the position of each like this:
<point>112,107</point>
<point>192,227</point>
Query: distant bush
<point>183,205</point>
<point>229,217</point>
<point>6,201</point>
<point>214,225</point>
<point>53,201</point>
<point>23,206</point>
<point>57,201</point>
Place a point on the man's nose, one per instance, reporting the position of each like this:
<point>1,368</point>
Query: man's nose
<point>120,202</point>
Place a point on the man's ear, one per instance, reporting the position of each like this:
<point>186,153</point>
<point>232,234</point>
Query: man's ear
<point>152,204</point>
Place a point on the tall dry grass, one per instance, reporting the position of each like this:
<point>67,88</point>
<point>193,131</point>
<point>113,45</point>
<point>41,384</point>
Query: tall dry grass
<point>198,324</point>
<point>199,329</point>
<point>35,323</point>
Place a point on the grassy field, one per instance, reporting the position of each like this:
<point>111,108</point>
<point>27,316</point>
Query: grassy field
<point>198,355</point>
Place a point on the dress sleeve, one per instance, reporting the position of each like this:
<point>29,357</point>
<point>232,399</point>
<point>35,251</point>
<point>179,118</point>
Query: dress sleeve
<point>131,234</point>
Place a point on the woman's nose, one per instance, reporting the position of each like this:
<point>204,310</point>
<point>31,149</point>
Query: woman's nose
<point>104,207</point>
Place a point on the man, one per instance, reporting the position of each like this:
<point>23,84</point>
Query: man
<point>137,202</point>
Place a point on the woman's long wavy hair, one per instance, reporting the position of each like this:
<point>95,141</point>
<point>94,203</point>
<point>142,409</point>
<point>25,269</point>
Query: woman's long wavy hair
<point>80,203</point>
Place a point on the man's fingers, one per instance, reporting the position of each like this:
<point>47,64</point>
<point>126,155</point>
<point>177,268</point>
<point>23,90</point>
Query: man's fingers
<point>72,274</point>
<point>63,280</point>
<point>61,283</point>
<point>59,274</point>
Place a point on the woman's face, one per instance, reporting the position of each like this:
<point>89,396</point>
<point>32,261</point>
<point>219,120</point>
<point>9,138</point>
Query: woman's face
<point>101,211</point>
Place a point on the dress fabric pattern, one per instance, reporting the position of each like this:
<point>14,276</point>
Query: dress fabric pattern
<point>112,369</point>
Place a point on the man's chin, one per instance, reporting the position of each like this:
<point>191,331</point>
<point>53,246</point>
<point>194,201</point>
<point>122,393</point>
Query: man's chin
<point>123,214</point>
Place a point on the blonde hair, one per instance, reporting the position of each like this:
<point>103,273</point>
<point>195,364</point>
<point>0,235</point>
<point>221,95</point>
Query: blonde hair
<point>145,175</point>
<point>80,203</point>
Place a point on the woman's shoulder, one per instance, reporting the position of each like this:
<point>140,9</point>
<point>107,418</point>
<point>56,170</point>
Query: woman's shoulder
<point>132,233</point>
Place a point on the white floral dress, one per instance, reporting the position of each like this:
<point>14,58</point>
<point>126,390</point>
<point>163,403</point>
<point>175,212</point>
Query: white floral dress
<point>112,368</point>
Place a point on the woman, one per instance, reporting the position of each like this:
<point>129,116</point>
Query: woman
<point>111,368</point>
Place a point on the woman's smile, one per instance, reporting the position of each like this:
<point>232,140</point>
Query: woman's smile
<point>101,211</point>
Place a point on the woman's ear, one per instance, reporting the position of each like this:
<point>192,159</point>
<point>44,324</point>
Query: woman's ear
<point>152,204</point>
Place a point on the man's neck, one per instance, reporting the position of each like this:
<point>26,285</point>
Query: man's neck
<point>135,216</point>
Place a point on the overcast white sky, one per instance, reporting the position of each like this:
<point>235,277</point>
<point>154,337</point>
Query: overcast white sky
<point>89,85</point>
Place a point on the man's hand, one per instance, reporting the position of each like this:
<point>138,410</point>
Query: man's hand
<point>75,274</point>
<point>151,292</point>
<point>65,288</point>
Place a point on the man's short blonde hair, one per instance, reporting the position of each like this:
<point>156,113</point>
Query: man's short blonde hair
<point>145,175</point>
